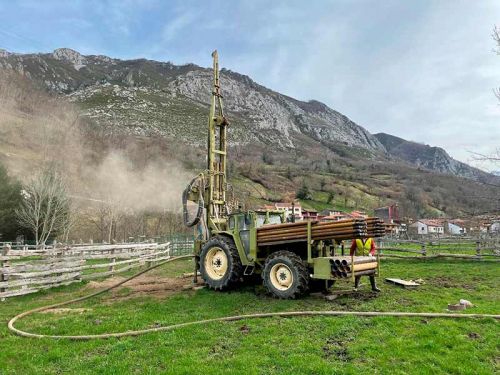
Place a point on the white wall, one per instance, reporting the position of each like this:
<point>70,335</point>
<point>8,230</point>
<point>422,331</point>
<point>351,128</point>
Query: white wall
<point>455,229</point>
<point>495,227</point>
<point>432,229</point>
<point>421,227</point>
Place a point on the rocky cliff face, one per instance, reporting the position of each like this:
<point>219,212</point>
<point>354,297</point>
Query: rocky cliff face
<point>150,98</point>
<point>425,156</point>
<point>145,97</point>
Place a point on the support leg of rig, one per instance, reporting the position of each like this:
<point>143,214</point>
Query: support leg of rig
<point>352,265</point>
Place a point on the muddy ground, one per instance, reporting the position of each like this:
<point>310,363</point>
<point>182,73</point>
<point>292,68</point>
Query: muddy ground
<point>144,285</point>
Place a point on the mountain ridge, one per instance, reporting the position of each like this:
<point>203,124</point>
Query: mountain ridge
<point>147,98</point>
<point>430,157</point>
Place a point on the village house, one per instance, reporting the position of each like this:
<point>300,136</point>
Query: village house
<point>310,214</point>
<point>456,227</point>
<point>358,215</point>
<point>331,212</point>
<point>428,226</point>
<point>495,227</point>
<point>289,208</point>
<point>334,217</point>
<point>390,214</point>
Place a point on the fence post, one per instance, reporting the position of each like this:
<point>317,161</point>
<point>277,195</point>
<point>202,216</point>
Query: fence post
<point>148,258</point>
<point>58,252</point>
<point>424,249</point>
<point>113,260</point>
<point>4,263</point>
<point>478,249</point>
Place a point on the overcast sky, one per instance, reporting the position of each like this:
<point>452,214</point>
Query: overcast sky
<point>421,70</point>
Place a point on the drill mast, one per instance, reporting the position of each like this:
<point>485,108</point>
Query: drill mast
<point>217,123</point>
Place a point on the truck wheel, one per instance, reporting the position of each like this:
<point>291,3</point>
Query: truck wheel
<point>285,275</point>
<point>220,264</point>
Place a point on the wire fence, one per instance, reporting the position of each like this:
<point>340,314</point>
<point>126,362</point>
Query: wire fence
<point>180,244</point>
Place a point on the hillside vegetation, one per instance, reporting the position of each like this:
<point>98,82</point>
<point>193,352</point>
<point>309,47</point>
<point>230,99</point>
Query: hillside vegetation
<point>152,113</point>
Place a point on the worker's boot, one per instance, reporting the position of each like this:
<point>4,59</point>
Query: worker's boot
<point>374,284</point>
<point>356,282</point>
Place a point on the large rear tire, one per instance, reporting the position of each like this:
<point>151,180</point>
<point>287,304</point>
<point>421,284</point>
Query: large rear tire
<point>285,275</point>
<point>220,264</point>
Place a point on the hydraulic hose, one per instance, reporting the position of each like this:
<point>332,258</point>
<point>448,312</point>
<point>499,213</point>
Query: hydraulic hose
<point>201,202</point>
<point>22,333</point>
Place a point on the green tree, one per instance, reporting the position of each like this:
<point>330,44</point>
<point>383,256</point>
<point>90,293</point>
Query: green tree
<point>331,197</point>
<point>267,158</point>
<point>322,184</point>
<point>304,192</point>
<point>10,198</point>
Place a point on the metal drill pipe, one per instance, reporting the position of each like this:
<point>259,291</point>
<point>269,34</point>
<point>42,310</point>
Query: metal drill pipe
<point>340,236</point>
<point>321,227</point>
<point>364,267</point>
<point>362,261</point>
<point>336,237</point>
<point>361,273</point>
<point>275,226</point>
<point>339,265</point>
<point>314,229</point>
<point>301,226</point>
<point>314,235</point>
<point>325,230</point>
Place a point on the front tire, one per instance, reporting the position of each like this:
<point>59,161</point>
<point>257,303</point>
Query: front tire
<point>220,264</point>
<point>285,275</point>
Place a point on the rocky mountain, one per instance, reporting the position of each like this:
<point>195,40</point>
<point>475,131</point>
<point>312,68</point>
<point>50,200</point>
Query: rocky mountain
<point>428,157</point>
<point>144,97</point>
<point>150,98</point>
<point>147,112</point>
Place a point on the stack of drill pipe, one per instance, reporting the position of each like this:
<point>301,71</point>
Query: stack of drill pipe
<point>342,267</point>
<point>375,227</point>
<point>338,230</point>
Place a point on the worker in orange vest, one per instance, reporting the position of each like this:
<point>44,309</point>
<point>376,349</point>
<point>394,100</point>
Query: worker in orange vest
<point>364,247</point>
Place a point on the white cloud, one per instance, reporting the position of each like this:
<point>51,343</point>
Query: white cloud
<point>422,70</point>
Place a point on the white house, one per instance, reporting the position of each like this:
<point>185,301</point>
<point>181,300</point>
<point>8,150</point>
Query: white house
<point>288,208</point>
<point>456,227</point>
<point>495,227</point>
<point>428,226</point>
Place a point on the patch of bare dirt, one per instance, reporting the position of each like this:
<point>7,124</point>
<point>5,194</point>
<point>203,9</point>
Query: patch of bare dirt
<point>143,285</point>
<point>337,349</point>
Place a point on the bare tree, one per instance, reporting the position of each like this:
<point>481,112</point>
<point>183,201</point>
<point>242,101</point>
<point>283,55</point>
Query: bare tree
<point>45,205</point>
<point>496,38</point>
<point>70,222</point>
<point>495,156</point>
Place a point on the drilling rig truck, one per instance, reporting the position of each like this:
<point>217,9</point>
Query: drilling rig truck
<point>231,245</point>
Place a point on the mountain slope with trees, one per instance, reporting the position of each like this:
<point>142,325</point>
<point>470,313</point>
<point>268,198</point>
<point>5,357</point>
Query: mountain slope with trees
<point>122,127</point>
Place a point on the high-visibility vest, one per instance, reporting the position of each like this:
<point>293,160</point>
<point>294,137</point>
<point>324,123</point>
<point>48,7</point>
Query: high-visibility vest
<point>363,249</point>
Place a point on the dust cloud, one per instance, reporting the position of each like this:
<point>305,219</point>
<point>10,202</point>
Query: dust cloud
<point>156,187</point>
<point>38,129</point>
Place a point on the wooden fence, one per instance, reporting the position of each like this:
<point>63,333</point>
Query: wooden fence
<point>466,248</point>
<point>28,271</point>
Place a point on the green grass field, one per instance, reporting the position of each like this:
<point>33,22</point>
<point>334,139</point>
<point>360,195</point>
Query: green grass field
<point>310,345</point>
